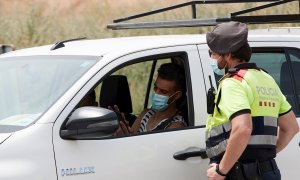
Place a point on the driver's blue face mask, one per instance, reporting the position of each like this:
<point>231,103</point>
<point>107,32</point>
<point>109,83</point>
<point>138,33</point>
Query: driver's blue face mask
<point>160,102</point>
<point>214,65</point>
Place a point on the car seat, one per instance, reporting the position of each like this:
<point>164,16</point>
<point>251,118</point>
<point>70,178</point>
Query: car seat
<point>115,91</point>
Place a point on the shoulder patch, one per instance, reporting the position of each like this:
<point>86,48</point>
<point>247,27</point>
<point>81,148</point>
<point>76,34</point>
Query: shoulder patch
<point>240,74</point>
<point>237,78</point>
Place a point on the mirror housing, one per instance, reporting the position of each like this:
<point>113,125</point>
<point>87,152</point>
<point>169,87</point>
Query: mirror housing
<point>90,123</point>
<point>4,48</point>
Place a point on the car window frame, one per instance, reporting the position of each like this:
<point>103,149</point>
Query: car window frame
<point>139,60</point>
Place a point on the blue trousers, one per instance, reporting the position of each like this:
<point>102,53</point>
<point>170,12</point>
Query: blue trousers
<point>272,175</point>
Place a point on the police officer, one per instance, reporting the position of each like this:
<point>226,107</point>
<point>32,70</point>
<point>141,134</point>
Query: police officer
<point>242,134</point>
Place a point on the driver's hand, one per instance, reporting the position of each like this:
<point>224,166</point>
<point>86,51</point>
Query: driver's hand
<point>124,127</point>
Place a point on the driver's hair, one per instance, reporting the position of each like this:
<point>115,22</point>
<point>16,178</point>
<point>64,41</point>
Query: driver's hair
<point>173,72</point>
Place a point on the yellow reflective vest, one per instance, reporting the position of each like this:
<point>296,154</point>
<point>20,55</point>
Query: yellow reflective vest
<point>246,89</point>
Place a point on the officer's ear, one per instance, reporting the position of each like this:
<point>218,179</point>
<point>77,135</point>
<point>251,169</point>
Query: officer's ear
<point>227,56</point>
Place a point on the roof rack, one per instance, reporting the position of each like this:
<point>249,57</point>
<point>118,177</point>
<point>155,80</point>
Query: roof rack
<point>199,22</point>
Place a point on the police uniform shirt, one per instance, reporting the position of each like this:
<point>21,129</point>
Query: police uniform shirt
<point>249,91</point>
<point>263,99</point>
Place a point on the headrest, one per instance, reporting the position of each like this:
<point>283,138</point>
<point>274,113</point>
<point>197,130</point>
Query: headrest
<point>115,91</point>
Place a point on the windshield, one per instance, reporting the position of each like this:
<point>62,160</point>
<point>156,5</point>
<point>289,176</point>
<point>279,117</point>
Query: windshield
<point>30,85</point>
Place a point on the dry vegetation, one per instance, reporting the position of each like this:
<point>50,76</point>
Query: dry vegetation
<point>27,23</point>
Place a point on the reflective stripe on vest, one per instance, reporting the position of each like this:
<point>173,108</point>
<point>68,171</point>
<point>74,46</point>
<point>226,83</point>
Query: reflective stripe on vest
<point>263,133</point>
<point>270,121</point>
<point>216,150</point>
<point>217,130</point>
<point>262,140</point>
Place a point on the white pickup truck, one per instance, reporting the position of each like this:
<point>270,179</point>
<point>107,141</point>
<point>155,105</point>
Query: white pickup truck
<point>43,135</point>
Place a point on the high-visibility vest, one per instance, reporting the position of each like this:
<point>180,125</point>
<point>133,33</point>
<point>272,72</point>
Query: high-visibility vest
<point>246,89</point>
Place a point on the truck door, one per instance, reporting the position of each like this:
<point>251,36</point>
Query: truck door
<point>166,155</point>
<point>283,64</point>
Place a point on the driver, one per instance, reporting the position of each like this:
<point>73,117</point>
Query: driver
<point>164,114</point>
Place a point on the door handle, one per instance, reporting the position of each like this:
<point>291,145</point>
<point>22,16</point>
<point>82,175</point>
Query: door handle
<point>190,152</point>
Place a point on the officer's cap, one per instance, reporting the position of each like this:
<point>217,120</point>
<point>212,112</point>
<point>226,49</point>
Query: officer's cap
<point>227,37</point>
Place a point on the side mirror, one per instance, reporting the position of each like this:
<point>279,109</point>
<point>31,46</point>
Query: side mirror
<point>4,48</point>
<point>90,123</point>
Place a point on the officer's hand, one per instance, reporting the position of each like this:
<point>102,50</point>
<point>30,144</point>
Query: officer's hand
<point>212,174</point>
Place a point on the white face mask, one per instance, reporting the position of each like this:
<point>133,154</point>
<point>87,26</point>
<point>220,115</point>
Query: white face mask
<point>214,65</point>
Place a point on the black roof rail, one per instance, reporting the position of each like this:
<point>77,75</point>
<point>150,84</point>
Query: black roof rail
<point>60,44</point>
<point>198,22</point>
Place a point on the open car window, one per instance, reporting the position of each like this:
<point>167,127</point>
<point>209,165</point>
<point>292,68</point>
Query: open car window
<point>130,87</point>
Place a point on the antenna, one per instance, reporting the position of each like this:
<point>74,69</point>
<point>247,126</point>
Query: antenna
<point>200,22</point>
<point>60,44</point>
